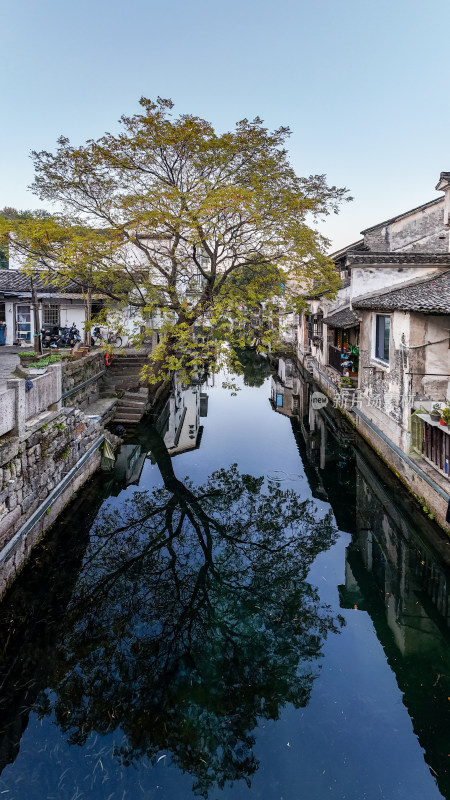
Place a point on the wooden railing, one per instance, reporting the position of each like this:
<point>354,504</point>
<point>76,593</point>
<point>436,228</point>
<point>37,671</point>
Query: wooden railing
<point>334,357</point>
<point>436,447</point>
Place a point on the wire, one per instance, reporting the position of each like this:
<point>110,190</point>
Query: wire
<point>426,344</point>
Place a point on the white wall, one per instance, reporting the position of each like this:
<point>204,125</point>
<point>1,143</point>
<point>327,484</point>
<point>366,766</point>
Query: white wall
<point>369,280</point>
<point>70,314</point>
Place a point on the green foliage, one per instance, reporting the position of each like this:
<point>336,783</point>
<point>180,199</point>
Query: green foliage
<point>59,426</point>
<point>445,414</point>
<point>179,220</point>
<point>44,362</point>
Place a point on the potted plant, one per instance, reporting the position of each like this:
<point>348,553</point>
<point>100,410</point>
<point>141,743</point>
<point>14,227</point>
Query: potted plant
<point>435,412</point>
<point>445,416</point>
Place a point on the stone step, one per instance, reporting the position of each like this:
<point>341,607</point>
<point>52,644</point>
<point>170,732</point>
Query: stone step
<point>122,371</point>
<point>130,412</point>
<point>121,375</point>
<point>141,396</point>
<point>128,419</point>
<point>128,362</point>
<point>125,402</point>
<point>120,385</point>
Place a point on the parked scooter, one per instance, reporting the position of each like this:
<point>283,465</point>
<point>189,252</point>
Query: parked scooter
<point>60,337</point>
<point>69,336</point>
<point>50,336</point>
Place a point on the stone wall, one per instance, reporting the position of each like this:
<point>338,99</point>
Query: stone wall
<point>82,373</point>
<point>39,472</point>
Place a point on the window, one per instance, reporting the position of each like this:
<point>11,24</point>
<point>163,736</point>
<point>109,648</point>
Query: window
<point>23,322</point>
<point>314,325</point>
<point>4,260</point>
<point>382,336</point>
<point>50,315</point>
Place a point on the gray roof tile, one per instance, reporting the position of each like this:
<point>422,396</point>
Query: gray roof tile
<point>404,257</point>
<point>15,282</point>
<point>429,297</point>
<point>345,318</point>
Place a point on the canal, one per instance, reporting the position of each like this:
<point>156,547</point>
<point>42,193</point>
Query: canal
<point>249,606</point>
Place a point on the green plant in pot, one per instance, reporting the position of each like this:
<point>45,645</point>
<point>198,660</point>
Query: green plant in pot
<point>445,416</point>
<point>435,412</point>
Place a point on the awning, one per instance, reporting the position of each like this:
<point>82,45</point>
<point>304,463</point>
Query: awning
<point>346,318</point>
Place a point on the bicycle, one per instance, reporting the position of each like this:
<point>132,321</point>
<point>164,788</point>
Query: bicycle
<point>111,337</point>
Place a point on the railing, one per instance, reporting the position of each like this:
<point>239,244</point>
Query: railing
<point>334,357</point>
<point>436,446</point>
<point>17,405</point>
<point>43,394</point>
<point>7,411</point>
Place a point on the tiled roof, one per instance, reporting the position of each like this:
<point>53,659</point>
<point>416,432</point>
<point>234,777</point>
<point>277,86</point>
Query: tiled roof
<point>405,257</point>
<point>429,297</point>
<point>359,245</point>
<point>346,318</point>
<point>15,282</point>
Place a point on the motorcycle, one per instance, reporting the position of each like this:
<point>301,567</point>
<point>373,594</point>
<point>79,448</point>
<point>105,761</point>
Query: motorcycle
<point>69,336</point>
<point>56,336</point>
<point>50,336</point>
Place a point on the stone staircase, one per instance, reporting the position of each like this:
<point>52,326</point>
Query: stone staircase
<point>131,407</point>
<point>123,378</point>
<point>124,372</point>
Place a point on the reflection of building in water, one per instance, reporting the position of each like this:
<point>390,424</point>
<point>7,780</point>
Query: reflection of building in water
<point>393,570</point>
<point>390,553</point>
<point>129,463</point>
<point>394,573</point>
<point>179,422</point>
<point>323,440</point>
<point>285,387</point>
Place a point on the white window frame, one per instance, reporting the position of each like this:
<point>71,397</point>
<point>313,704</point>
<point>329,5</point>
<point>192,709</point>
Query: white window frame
<point>55,309</point>
<point>375,358</point>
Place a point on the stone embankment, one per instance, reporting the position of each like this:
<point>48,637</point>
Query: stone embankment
<point>48,448</point>
<point>429,488</point>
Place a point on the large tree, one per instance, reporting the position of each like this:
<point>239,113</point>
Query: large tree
<point>197,225</point>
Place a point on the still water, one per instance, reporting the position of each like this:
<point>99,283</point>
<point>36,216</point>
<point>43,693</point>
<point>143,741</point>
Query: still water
<point>248,607</point>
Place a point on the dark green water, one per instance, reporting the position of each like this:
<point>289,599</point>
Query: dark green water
<point>256,613</point>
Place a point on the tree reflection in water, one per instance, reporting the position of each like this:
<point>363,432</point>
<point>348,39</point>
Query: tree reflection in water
<point>192,620</point>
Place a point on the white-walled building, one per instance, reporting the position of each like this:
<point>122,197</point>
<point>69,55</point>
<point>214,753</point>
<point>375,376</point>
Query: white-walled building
<point>55,307</point>
<point>387,332</point>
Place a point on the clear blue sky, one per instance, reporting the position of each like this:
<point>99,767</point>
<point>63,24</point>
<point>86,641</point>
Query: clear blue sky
<point>363,84</point>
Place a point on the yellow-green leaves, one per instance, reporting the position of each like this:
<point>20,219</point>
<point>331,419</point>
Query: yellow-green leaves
<point>207,228</point>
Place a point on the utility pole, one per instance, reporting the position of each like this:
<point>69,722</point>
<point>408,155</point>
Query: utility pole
<point>37,330</point>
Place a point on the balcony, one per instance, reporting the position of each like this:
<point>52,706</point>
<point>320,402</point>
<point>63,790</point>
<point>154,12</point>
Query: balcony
<point>334,358</point>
